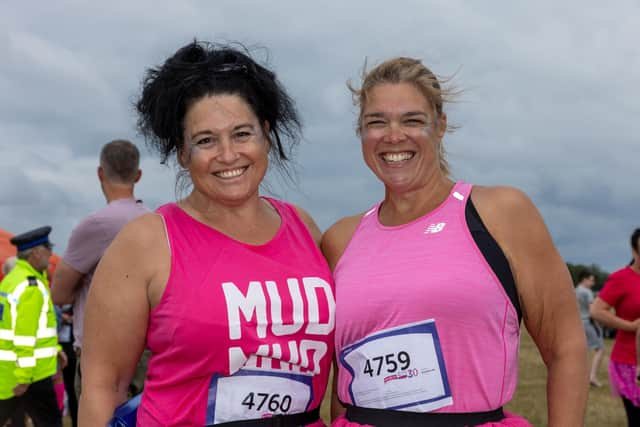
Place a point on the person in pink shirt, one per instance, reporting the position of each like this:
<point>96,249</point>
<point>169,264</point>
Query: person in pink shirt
<point>433,282</point>
<point>228,289</point>
<point>621,292</point>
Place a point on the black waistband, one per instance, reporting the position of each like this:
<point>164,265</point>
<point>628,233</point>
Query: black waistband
<point>293,420</point>
<point>388,418</point>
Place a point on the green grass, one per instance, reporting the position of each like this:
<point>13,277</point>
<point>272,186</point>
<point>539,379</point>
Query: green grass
<point>530,399</point>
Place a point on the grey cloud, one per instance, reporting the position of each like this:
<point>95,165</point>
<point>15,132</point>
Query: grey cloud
<point>550,101</point>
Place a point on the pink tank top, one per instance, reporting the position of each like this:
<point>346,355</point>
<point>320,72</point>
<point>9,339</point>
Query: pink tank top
<point>242,331</point>
<point>422,322</point>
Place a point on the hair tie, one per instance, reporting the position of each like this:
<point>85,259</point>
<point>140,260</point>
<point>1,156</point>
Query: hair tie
<point>231,68</point>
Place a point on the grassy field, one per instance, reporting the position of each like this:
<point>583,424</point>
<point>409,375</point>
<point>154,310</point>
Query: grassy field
<point>530,400</point>
<point>602,408</point>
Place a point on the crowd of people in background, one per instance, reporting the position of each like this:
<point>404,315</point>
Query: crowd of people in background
<point>118,172</point>
<point>228,306</point>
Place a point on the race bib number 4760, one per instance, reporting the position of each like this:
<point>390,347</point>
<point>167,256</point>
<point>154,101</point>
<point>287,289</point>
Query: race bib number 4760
<point>400,368</point>
<point>250,394</point>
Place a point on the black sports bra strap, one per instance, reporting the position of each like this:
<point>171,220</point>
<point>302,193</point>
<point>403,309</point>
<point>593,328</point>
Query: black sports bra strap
<point>493,254</point>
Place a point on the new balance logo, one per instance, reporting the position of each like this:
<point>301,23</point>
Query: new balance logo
<point>435,228</point>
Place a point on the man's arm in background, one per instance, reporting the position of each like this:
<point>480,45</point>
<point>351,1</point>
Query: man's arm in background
<point>66,281</point>
<point>82,254</point>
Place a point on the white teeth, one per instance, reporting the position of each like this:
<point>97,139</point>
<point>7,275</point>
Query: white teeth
<point>397,157</point>
<point>230,173</point>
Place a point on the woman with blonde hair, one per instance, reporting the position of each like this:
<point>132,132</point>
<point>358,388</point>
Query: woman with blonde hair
<point>449,270</point>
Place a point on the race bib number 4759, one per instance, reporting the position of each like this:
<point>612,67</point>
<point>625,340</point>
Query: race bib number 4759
<point>400,368</point>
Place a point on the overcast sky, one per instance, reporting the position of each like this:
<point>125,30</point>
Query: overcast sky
<point>551,101</point>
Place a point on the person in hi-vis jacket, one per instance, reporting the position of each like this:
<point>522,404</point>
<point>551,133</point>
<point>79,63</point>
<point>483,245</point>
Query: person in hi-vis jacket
<point>29,349</point>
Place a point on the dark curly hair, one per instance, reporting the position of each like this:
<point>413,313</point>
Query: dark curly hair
<point>200,69</point>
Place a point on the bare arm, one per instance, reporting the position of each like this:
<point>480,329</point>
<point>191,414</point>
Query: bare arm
<point>601,311</point>
<point>66,282</point>
<point>116,317</point>
<point>547,298</point>
<point>85,248</point>
<point>333,244</point>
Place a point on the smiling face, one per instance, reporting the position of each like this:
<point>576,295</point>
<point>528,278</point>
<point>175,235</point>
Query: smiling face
<point>225,149</point>
<point>401,133</point>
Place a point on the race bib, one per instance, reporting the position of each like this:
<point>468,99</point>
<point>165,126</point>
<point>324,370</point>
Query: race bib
<point>250,394</point>
<point>401,368</point>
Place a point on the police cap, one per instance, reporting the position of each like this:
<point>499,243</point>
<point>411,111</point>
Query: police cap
<point>31,239</point>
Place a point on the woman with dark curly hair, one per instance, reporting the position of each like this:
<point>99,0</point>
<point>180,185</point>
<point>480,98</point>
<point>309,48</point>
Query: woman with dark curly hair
<point>227,288</point>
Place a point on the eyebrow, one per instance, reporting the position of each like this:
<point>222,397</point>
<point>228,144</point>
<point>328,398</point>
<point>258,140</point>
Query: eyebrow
<point>415,113</point>
<point>373,115</point>
<point>382,115</point>
<point>236,128</point>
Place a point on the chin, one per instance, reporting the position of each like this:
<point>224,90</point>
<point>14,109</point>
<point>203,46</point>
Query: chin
<point>397,185</point>
<point>236,199</point>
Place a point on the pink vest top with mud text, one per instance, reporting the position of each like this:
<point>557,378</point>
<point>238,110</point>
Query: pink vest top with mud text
<point>242,331</point>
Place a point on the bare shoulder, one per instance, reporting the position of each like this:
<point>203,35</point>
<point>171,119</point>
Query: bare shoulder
<point>142,238</point>
<point>506,211</point>
<point>501,199</point>
<point>143,231</point>
<point>310,223</point>
<point>139,258</point>
<point>519,229</point>
<point>514,222</point>
<point>337,237</point>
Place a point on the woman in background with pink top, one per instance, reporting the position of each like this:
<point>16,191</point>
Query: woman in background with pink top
<point>621,292</point>
<point>228,289</point>
<point>442,273</point>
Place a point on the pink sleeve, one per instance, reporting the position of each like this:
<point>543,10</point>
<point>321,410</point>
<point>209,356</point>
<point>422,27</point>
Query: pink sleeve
<point>85,246</point>
<point>612,291</point>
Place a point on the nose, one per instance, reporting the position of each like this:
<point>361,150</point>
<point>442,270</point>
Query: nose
<point>395,133</point>
<point>227,153</point>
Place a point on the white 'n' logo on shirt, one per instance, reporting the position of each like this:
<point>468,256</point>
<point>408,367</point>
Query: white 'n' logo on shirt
<point>435,228</point>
